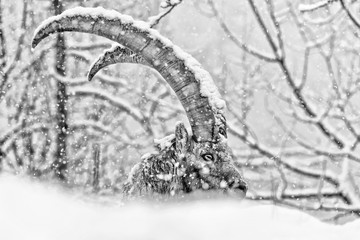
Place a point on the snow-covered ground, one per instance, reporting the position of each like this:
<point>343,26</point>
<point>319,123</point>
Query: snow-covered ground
<point>30,210</point>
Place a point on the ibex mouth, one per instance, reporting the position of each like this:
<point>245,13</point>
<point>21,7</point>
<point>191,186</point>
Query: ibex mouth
<point>241,186</point>
<point>238,186</point>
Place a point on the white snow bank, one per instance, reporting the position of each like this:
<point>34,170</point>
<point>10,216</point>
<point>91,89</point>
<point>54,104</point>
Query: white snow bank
<point>33,211</point>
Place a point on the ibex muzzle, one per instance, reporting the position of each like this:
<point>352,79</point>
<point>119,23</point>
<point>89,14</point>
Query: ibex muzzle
<point>185,163</point>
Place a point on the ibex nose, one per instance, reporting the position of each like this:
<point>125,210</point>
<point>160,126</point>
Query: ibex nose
<point>236,183</point>
<point>239,185</point>
<point>242,186</point>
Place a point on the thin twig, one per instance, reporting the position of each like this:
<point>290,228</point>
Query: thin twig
<point>276,23</point>
<point>154,20</point>
<point>350,15</point>
<point>235,40</point>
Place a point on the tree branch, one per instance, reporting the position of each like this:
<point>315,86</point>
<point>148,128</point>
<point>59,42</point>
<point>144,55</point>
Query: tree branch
<point>350,15</point>
<point>154,20</point>
<point>296,90</point>
<point>235,40</point>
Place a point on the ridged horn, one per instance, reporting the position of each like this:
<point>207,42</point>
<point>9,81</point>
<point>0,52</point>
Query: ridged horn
<point>192,84</point>
<point>114,55</point>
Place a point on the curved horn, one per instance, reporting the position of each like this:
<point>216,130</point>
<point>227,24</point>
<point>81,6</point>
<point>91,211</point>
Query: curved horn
<point>192,84</point>
<point>116,54</point>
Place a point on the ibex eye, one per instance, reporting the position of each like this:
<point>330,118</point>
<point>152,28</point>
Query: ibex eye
<point>222,131</point>
<point>208,157</point>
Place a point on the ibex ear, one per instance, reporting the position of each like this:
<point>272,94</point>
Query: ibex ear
<point>181,137</point>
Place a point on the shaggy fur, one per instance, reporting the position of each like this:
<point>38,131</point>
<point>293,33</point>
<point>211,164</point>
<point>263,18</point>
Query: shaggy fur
<point>181,165</point>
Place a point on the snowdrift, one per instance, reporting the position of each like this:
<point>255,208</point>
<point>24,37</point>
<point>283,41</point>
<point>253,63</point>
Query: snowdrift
<point>30,210</point>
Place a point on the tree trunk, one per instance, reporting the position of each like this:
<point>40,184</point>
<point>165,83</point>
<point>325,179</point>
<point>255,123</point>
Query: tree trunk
<point>61,162</point>
<point>2,42</point>
<point>96,167</point>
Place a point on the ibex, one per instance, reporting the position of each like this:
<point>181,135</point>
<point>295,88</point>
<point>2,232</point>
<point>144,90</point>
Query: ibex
<point>183,163</point>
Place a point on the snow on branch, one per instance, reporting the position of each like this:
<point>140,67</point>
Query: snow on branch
<point>169,5</point>
<point>344,152</point>
<point>116,101</point>
<point>18,128</point>
<point>327,176</point>
<point>79,81</point>
<point>8,138</point>
<point>321,207</point>
<point>87,47</point>
<point>97,126</point>
<point>68,81</point>
<point>15,129</point>
<point>314,6</point>
<point>348,185</point>
<point>297,194</point>
<point>79,55</point>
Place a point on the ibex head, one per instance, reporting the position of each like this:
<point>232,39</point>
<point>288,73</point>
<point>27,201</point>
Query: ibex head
<point>206,165</point>
<point>204,156</point>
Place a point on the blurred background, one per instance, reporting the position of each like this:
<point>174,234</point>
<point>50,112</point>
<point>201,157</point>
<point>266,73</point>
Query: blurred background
<point>289,71</point>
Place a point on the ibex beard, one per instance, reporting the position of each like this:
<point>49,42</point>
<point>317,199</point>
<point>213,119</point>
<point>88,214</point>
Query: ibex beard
<point>184,163</point>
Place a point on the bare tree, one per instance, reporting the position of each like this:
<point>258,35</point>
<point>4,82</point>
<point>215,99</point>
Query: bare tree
<point>313,165</point>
